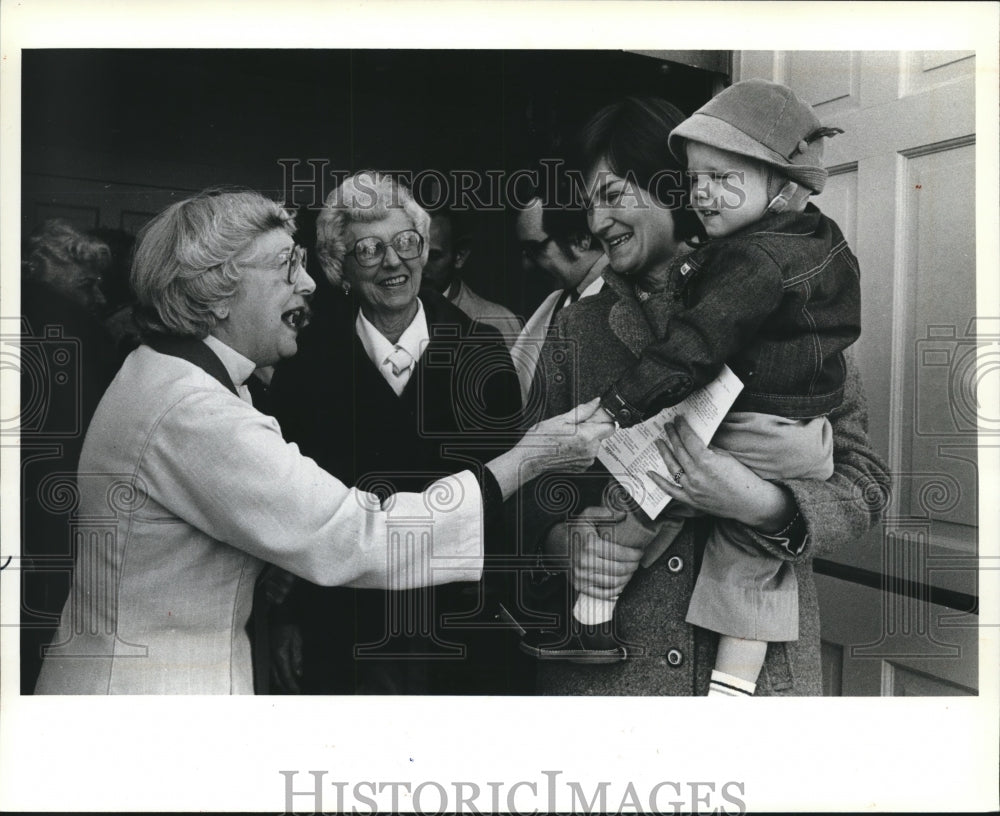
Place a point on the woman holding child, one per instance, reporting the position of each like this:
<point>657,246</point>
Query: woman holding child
<point>618,345</point>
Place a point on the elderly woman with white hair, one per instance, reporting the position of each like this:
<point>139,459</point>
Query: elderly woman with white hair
<point>394,387</point>
<point>185,490</point>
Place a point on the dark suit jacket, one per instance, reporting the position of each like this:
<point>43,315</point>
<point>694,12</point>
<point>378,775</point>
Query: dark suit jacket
<point>460,408</point>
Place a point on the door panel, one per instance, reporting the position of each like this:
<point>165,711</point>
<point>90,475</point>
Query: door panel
<point>929,69</point>
<point>880,638</point>
<point>829,81</point>
<point>940,240</point>
<point>902,188</point>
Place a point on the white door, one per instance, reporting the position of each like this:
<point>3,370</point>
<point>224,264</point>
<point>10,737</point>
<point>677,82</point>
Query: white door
<point>899,608</point>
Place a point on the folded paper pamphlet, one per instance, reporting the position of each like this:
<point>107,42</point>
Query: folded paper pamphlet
<point>631,451</point>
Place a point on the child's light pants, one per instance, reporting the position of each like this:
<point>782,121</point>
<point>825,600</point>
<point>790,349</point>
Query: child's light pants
<point>742,591</point>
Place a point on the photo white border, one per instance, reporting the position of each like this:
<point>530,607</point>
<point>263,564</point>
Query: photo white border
<point>198,753</point>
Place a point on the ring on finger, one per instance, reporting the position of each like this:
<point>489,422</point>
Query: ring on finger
<point>677,476</point>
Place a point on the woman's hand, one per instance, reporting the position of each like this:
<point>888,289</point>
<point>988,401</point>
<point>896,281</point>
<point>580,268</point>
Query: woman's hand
<point>567,442</point>
<point>714,482</point>
<point>600,566</point>
<point>570,441</point>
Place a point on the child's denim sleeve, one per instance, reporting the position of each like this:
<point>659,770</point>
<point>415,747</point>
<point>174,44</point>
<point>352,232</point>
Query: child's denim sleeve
<point>728,293</point>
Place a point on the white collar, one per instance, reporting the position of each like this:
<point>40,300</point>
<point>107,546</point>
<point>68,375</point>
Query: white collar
<point>597,283</point>
<point>591,288</point>
<point>413,340</point>
<point>237,366</point>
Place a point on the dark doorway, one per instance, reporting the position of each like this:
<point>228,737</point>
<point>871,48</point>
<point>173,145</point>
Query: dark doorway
<point>288,122</point>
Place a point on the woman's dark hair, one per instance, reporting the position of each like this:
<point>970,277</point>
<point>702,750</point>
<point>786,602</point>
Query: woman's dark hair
<point>632,136</point>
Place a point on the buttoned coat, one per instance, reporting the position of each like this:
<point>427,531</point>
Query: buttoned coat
<point>529,342</point>
<point>596,340</point>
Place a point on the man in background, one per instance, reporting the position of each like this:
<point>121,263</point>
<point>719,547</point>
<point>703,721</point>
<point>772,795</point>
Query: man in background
<point>450,248</point>
<point>557,241</point>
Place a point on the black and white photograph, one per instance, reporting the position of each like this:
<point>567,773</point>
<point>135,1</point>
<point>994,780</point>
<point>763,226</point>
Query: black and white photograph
<point>391,398</point>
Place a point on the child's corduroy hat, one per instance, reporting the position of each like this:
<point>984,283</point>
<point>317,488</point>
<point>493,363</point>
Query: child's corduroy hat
<point>765,121</point>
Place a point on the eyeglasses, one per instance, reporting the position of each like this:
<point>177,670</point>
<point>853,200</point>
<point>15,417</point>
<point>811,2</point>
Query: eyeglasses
<point>296,261</point>
<point>370,251</point>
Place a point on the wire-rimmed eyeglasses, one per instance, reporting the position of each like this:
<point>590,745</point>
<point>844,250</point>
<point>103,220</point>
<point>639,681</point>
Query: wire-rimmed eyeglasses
<point>294,263</point>
<point>370,251</point>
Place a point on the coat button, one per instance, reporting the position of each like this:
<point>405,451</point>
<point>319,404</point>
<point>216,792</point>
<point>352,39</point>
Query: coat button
<point>675,657</point>
<point>675,563</point>
<point>625,416</point>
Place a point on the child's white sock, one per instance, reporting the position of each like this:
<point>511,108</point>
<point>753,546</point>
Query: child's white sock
<point>592,611</point>
<point>725,685</point>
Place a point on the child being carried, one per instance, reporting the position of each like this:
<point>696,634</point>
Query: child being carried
<point>775,294</point>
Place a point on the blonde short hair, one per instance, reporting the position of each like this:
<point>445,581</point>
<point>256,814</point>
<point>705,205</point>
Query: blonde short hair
<point>185,257</point>
<point>363,198</point>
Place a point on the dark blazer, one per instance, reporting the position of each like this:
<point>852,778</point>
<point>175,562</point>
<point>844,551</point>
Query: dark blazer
<point>460,408</point>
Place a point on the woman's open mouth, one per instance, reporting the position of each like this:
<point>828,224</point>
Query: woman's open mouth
<point>619,240</point>
<point>297,318</point>
<point>394,282</point>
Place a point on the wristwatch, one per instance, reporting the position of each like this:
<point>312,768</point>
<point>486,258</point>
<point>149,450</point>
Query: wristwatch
<point>619,409</point>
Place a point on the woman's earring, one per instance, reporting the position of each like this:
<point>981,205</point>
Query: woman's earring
<point>346,286</point>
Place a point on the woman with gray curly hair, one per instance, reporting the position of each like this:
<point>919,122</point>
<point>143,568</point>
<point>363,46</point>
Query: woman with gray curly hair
<point>426,384</point>
<point>65,260</point>
<point>188,490</point>
<point>388,232</point>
